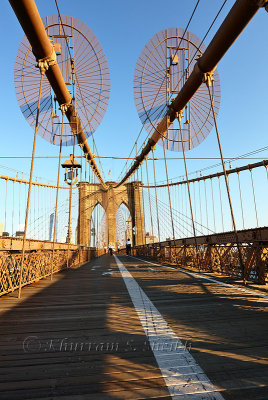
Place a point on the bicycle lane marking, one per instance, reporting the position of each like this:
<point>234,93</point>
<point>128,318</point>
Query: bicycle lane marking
<point>182,375</point>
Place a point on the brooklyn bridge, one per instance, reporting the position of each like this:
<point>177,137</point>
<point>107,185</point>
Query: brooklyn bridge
<point>142,273</point>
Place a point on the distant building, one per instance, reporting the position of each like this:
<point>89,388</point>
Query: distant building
<point>51,228</point>
<point>150,238</point>
<point>1,228</point>
<point>20,234</point>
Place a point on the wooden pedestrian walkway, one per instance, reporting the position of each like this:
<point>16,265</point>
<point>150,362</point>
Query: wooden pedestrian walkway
<point>122,328</point>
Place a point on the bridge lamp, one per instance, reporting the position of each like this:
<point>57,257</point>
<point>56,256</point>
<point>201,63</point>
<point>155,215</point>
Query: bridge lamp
<point>70,177</point>
<point>71,170</point>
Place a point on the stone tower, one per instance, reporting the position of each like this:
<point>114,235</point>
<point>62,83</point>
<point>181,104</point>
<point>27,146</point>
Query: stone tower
<point>91,194</point>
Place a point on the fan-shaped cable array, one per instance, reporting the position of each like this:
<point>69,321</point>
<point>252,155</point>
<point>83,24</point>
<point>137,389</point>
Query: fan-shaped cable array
<point>85,70</point>
<point>161,71</point>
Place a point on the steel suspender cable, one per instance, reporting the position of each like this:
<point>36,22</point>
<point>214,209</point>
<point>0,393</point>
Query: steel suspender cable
<point>34,210</point>
<point>181,198</point>
<point>219,181</point>
<point>152,226</point>
<point>213,208</point>
<point>77,83</point>
<point>143,210</point>
<point>169,198</point>
<point>152,106</point>
<point>189,192</point>
<point>241,202</point>
<point>136,156</point>
<point>254,198</point>
<point>25,201</point>
<point>194,201</point>
<point>38,205</point>
<point>209,82</point>
<point>42,71</point>
<point>13,210</point>
<point>206,202</point>
<point>137,233</point>
<point>200,205</point>
<point>57,194</point>
<point>6,208</point>
<point>156,201</point>
<point>19,202</point>
<point>81,164</point>
<point>211,25</point>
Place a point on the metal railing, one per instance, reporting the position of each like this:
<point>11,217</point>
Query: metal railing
<point>216,253</point>
<point>39,264</point>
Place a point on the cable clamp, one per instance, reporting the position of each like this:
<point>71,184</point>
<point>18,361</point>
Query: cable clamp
<point>179,115</point>
<point>44,63</point>
<point>64,108</point>
<point>208,78</point>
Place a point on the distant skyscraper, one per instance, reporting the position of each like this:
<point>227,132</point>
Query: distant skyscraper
<point>51,227</point>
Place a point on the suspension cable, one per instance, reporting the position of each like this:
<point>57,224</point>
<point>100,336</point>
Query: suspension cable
<point>169,197</point>
<point>206,202</point>
<point>77,82</point>
<point>13,209</point>
<point>211,25</point>
<point>42,71</point>
<point>156,201</point>
<point>147,117</point>
<point>200,205</point>
<point>209,81</point>
<point>57,194</point>
<point>254,198</point>
<point>149,198</point>
<point>188,187</point>
<point>6,207</point>
<point>144,227</point>
<point>241,203</point>
<point>219,181</point>
<point>213,208</point>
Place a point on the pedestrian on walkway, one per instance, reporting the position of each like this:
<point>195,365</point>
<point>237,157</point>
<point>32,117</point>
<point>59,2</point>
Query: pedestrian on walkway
<point>128,247</point>
<point>111,249</point>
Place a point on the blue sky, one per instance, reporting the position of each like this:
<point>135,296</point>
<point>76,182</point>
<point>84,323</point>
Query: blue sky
<point>123,28</point>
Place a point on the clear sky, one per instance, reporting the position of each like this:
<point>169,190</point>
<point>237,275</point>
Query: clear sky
<point>123,28</point>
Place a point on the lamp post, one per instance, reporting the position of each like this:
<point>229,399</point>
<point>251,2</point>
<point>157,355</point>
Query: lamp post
<point>70,177</point>
<point>128,230</point>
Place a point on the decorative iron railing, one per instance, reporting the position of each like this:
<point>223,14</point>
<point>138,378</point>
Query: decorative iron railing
<point>38,264</point>
<point>217,253</point>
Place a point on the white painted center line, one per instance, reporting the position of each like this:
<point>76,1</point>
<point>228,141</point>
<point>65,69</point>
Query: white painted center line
<point>183,376</point>
<point>207,279</point>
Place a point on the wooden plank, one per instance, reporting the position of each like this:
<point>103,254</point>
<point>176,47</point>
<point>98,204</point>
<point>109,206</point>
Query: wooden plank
<point>226,332</point>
